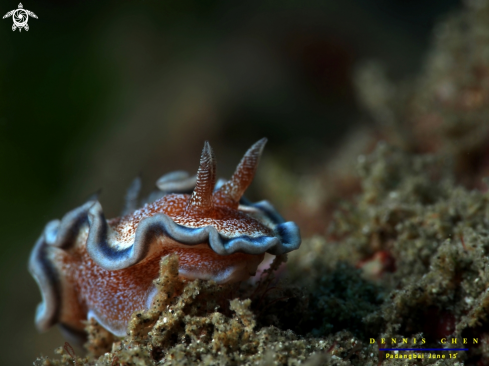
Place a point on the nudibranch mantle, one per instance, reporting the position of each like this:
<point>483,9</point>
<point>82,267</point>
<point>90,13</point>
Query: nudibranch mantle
<point>87,266</point>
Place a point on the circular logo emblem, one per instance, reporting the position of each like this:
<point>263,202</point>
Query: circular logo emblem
<point>20,18</point>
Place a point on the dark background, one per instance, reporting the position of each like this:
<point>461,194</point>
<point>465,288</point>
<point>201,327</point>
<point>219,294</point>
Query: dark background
<point>96,93</point>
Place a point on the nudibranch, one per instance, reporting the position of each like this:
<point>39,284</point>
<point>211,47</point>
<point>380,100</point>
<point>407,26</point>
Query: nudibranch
<point>90,267</point>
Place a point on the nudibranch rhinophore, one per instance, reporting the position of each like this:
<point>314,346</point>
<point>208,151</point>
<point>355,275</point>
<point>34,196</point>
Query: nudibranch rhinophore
<point>90,267</point>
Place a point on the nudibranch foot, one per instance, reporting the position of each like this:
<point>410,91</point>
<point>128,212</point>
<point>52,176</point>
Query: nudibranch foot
<point>90,267</point>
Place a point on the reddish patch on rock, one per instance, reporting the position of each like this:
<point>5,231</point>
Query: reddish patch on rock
<point>379,263</point>
<point>438,323</point>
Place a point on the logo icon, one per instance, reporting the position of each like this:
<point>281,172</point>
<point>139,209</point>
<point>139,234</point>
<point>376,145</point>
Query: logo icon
<point>20,17</point>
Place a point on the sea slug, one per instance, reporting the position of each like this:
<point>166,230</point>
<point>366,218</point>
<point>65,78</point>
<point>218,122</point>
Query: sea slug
<point>87,266</point>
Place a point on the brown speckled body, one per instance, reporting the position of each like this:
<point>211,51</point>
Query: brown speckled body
<point>90,267</point>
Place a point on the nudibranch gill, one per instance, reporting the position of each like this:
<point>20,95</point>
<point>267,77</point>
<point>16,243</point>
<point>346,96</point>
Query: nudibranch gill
<point>87,266</point>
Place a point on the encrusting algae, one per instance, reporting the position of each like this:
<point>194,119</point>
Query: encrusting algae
<point>403,255</point>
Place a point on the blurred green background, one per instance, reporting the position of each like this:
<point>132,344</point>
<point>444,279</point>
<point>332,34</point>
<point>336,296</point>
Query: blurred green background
<point>97,92</point>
